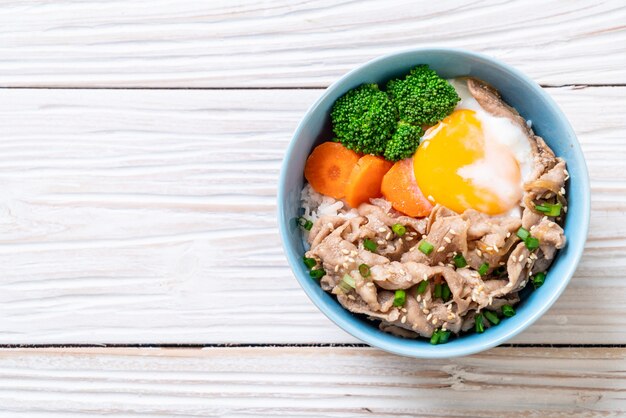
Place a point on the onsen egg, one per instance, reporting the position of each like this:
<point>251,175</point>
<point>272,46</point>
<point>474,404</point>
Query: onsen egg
<point>472,159</point>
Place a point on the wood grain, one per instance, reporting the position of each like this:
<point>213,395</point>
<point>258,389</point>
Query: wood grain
<point>283,43</point>
<point>311,382</point>
<point>131,216</point>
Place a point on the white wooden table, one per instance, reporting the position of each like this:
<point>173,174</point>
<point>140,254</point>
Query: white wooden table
<point>142,272</point>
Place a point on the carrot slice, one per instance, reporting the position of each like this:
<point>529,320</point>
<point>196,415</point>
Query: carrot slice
<point>401,189</point>
<point>328,168</point>
<point>365,179</point>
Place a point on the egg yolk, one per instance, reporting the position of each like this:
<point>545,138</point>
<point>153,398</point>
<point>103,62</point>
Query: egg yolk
<point>460,168</point>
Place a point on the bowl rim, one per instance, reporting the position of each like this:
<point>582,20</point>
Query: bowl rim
<point>398,345</point>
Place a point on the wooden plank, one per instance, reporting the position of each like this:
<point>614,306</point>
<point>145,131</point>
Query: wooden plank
<point>294,44</point>
<point>311,382</point>
<point>131,216</point>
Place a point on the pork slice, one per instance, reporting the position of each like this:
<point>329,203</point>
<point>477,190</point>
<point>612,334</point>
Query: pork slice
<point>489,99</point>
<point>323,227</point>
<point>359,306</point>
<point>448,235</point>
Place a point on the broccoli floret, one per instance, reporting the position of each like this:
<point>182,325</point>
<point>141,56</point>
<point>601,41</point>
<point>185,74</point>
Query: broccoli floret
<point>422,97</point>
<point>404,142</point>
<point>364,119</point>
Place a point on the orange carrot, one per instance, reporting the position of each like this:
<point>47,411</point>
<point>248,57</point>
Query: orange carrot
<point>328,168</point>
<point>401,189</point>
<point>365,179</point>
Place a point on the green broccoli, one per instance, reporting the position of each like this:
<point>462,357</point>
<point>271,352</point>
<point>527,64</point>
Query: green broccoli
<point>364,119</point>
<point>404,142</point>
<point>422,97</point>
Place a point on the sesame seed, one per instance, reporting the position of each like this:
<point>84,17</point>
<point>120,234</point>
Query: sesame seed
<point>501,263</point>
<point>452,232</point>
<point>425,276</point>
<point>429,317</point>
<point>344,251</point>
<point>565,209</point>
<point>354,253</point>
<point>551,224</point>
<point>351,297</point>
<point>345,265</point>
<point>432,199</point>
<point>532,227</point>
<point>413,233</point>
<point>489,249</point>
<point>490,300</point>
<point>495,248</point>
<point>370,284</point>
<point>350,259</point>
<point>403,310</point>
<point>548,195</point>
<point>388,237</point>
<point>440,264</point>
<point>434,321</point>
<point>330,226</point>
<point>448,240</point>
<point>380,242</point>
<point>480,253</point>
<point>418,298</point>
<point>403,320</point>
<point>444,327</point>
<point>450,265</point>
<point>409,238</point>
<point>399,240</point>
<point>563,191</point>
<point>508,234</point>
<point>412,249</point>
<point>382,229</point>
<point>481,288</point>
<point>336,268</point>
<point>426,311</point>
<point>441,249</point>
<point>450,317</point>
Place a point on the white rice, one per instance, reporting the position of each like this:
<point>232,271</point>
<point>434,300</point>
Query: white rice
<point>317,205</point>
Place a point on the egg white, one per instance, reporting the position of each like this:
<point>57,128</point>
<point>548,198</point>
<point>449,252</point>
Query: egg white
<point>502,131</point>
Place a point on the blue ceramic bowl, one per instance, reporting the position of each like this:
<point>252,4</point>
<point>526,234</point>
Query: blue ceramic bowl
<point>518,90</point>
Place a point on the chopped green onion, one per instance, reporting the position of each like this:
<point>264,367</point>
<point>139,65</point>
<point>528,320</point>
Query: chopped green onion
<point>309,262</point>
<point>440,337</point>
<point>421,288</point>
<point>445,292</point>
<point>532,243</point>
<point>483,269</point>
<point>369,245</point>
<point>538,279</point>
<point>438,290</point>
<point>347,279</point>
<point>399,298</point>
<point>347,283</point>
<point>480,327</point>
<point>305,223</point>
<point>364,269</point>
<point>317,274</point>
<point>444,336</point>
<point>398,229</point>
<point>492,317</point>
<point>549,209</point>
<point>523,233</point>
<point>507,310</point>
<point>426,247</point>
<point>459,261</point>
